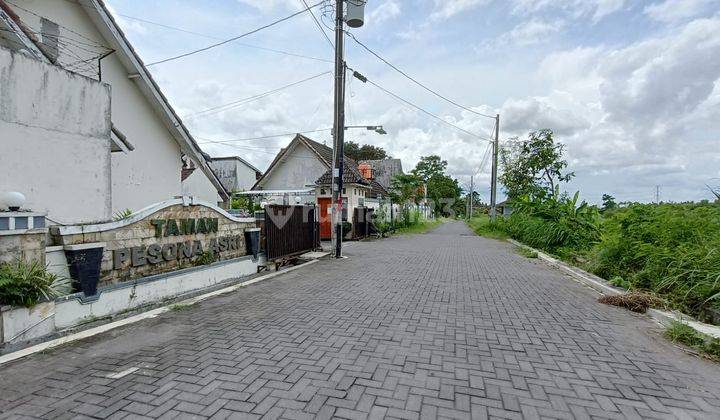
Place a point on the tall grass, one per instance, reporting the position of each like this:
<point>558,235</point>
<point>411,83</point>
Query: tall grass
<point>670,249</point>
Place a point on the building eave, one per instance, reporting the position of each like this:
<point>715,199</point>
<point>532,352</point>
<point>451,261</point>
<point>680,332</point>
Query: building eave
<point>105,23</point>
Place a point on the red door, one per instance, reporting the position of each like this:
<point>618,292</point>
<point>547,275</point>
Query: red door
<point>325,218</point>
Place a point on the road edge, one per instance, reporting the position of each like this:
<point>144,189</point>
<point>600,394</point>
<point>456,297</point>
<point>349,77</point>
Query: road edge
<point>6,358</point>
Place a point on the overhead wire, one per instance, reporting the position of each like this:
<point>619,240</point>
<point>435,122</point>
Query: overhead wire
<point>368,49</point>
<point>234,104</point>
<point>208,141</point>
<point>424,111</point>
<point>199,50</point>
<point>175,28</point>
<point>332,45</point>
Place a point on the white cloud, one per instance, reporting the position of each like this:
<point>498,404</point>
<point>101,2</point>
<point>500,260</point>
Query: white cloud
<point>596,9</point>
<point>669,11</point>
<point>445,9</point>
<point>269,5</point>
<point>529,33</point>
<point>387,10</point>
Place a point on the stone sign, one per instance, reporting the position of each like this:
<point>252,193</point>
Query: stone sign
<point>160,238</point>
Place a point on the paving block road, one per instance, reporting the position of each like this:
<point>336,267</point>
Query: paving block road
<point>440,325</point>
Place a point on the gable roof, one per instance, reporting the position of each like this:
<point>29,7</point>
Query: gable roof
<point>239,159</point>
<point>323,152</point>
<point>101,17</point>
<point>350,176</point>
<point>384,170</point>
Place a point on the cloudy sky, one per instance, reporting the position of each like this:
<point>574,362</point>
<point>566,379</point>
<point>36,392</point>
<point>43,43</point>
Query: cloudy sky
<point>631,87</point>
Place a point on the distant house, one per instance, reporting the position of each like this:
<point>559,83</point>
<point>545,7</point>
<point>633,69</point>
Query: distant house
<point>504,208</point>
<point>293,172</point>
<point>57,54</point>
<point>356,190</point>
<point>235,173</point>
<point>383,170</point>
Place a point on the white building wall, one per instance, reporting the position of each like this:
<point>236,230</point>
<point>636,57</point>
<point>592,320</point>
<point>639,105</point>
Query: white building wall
<point>150,173</point>
<point>55,139</point>
<point>234,174</point>
<point>299,170</point>
<point>198,185</point>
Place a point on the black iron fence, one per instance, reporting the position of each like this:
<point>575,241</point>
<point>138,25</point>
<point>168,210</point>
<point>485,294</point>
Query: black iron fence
<point>290,230</point>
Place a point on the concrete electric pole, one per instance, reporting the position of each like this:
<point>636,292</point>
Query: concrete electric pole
<point>355,19</point>
<point>338,131</point>
<point>493,182</point>
<point>472,192</point>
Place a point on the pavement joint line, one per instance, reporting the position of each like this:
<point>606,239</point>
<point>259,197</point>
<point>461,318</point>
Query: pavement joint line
<point>137,318</point>
<point>664,318</point>
<point>122,374</point>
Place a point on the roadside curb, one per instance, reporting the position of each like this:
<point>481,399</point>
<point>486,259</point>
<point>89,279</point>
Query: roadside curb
<point>664,318</point>
<point>136,318</point>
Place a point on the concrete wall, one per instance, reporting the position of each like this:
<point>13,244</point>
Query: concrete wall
<point>234,174</point>
<point>55,131</point>
<point>150,173</point>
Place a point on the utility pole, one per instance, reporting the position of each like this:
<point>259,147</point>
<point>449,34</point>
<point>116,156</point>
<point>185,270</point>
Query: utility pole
<point>338,131</point>
<point>425,203</point>
<point>493,182</point>
<point>472,191</point>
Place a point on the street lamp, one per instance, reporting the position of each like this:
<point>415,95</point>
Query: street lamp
<point>376,128</point>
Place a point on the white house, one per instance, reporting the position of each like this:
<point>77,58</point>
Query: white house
<point>153,156</point>
<point>235,173</point>
<point>295,169</point>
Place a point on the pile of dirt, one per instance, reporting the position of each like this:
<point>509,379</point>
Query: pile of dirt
<point>634,301</point>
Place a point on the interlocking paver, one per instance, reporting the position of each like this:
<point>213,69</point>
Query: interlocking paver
<point>439,325</point>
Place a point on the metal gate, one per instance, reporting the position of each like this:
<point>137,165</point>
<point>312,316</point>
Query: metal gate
<point>290,231</point>
<point>362,222</point>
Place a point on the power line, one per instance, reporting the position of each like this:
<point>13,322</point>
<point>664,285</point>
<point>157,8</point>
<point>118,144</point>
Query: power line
<point>424,111</point>
<point>162,25</point>
<point>207,141</point>
<point>332,46</point>
<point>233,104</point>
<point>234,38</point>
<point>415,80</point>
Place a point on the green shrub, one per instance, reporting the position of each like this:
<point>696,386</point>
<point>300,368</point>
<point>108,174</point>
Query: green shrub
<point>555,224</point>
<point>670,249</point>
<point>685,334</point>
<point>25,284</point>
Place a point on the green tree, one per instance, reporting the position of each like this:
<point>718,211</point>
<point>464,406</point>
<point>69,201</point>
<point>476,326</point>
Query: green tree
<point>404,188</point>
<point>444,191</point>
<point>429,166</point>
<point>534,166</point>
<point>357,152</point>
<point>608,202</point>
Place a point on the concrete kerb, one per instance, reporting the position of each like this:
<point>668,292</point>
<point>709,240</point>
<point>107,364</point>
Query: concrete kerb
<point>136,318</point>
<point>664,318</point>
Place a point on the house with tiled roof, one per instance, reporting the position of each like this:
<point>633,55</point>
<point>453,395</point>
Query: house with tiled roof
<point>302,172</point>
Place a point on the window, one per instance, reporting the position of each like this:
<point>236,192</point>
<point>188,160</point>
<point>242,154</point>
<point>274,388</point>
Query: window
<point>344,191</point>
<point>322,191</point>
